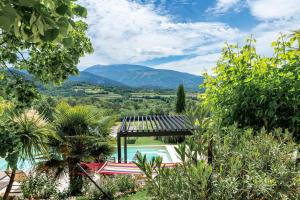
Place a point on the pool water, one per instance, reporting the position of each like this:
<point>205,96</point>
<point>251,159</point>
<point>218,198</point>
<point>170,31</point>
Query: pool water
<point>22,165</point>
<point>150,152</point>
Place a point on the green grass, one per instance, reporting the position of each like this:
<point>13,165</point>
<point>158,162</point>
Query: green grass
<point>148,141</point>
<point>140,195</point>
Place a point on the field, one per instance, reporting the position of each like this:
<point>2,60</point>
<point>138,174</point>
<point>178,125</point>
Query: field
<point>119,101</point>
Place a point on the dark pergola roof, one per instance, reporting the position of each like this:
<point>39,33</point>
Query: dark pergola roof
<point>155,125</point>
<point>152,125</point>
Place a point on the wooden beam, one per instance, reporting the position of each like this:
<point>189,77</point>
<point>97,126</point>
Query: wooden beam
<point>162,126</point>
<point>129,122</point>
<point>157,133</point>
<point>156,123</point>
<point>151,122</point>
<point>168,127</point>
<point>123,124</point>
<point>147,123</point>
<point>175,122</point>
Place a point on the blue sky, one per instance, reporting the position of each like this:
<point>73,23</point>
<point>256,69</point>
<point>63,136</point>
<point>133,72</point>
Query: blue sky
<point>182,35</point>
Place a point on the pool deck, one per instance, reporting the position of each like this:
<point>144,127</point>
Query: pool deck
<point>173,154</point>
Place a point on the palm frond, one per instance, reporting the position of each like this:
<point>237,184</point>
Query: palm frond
<point>34,132</point>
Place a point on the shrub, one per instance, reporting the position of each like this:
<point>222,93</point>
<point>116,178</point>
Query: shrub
<point>39,187</point>
<point>113,186</point>
<point>245,165</point>
<point>125,183</point>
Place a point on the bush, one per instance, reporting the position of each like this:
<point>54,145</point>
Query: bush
<point>39,187</point>
<point>112,186</point>
<point>245,165</point>
<point>125,183</point>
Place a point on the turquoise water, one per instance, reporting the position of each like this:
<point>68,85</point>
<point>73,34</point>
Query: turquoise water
<point>150,152</point>
<point>24,165</point>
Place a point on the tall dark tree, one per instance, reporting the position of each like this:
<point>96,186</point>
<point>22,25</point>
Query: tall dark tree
<point>180,103</point>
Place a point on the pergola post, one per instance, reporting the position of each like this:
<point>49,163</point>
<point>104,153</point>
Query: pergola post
<point>125,149</point>
<point>119,147</point>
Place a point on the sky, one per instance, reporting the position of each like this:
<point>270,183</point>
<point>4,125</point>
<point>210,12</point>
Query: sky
<point>182,35</point>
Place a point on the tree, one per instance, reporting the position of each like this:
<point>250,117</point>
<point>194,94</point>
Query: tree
<point>43,38</point>
<point>84,137</point>
<point>256,91</point>
<point>23,135</point>
<point>180,103</point>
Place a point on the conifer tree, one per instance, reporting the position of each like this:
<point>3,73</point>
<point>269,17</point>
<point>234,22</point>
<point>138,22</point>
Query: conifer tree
<point>180,103</point>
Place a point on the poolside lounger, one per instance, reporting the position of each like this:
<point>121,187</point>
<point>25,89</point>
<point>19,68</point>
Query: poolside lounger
<point>20,176</point>
<point>16,187</point>
<point>110,168</point>
<point>2,175</point>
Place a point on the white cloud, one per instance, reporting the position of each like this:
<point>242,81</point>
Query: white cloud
<point>267,32</point>
<point>129,32</point>
<point>223,6</point>
<point>274,9</point>
<point>197,65</point>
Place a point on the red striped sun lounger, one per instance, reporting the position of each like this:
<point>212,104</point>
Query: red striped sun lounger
<point>110,168</point>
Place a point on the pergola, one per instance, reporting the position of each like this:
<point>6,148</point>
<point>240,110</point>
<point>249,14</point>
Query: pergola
<point>151,125</point>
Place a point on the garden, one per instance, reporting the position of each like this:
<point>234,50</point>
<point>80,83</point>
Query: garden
<point>245,144</point>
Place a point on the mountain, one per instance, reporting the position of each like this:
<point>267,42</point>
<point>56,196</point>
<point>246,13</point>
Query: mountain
<point>141,76</point>
<point>86,77</point>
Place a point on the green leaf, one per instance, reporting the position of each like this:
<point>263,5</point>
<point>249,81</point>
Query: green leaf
<point>40,26</point>
<point>63,25</point>
<point>7,16</point>
<point>32,19</point>
<point>5,23</point>
<point>50,34</point>
<point>68,42</point>
<point>81,11</point>
<point>27,3</point>
<point>62,9</point>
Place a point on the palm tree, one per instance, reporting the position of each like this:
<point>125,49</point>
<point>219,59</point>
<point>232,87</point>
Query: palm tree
<point>32,131</point>
<point>83,138</point>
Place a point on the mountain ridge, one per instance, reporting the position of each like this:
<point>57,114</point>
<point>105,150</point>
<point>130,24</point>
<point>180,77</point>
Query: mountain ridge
<point>137,76</point>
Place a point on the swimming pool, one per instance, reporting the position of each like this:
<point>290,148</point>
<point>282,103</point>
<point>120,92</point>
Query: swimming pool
<point>22,165</point>
<point>149,151</point>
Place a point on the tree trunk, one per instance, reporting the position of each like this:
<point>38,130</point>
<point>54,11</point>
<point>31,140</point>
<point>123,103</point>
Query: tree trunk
<point>210,161</point>
<point>210,152</point>
<point>10,184</point>
<point>76,182</point>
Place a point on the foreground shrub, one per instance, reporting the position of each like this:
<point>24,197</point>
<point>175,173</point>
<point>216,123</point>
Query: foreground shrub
<point>39,187</point>
<point>244,165</point>
<point>113,186</point>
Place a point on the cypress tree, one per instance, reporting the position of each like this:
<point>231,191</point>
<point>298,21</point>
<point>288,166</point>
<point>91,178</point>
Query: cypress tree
<point>180,104</point>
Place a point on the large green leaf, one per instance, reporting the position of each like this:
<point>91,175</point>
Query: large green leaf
<point>81,11</point>
<point>50,34</point>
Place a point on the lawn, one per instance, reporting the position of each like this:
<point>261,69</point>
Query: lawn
<point>148,141</point>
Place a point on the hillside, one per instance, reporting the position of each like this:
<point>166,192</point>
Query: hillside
<point>141,76</point>
<point>86,77</point>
